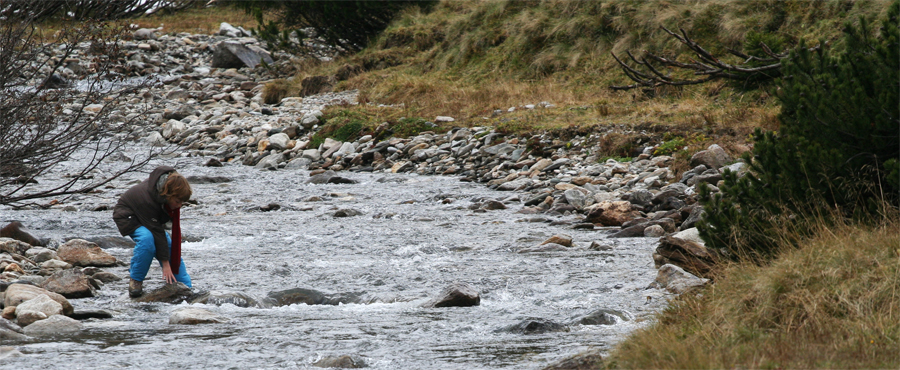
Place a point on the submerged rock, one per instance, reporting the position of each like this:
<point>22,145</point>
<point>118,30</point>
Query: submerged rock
<point>534,326</point>
<point>455,295</point>
<point>168,293</point>
<point>309,297</point>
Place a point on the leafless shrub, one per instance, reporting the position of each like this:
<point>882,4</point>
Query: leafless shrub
<point>48,113</point>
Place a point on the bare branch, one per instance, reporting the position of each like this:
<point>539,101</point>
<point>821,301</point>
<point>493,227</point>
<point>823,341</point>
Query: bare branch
<point>705,64</point>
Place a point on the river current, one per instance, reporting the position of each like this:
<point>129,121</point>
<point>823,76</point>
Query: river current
<point>415,236</point>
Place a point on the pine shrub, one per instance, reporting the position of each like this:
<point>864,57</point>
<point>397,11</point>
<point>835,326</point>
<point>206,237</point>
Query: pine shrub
<point>836,151</point>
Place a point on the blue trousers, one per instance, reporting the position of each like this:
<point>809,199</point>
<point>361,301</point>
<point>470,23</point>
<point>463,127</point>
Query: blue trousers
<point>145,251</point>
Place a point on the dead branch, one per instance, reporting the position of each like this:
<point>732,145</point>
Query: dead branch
<point>705,64</point>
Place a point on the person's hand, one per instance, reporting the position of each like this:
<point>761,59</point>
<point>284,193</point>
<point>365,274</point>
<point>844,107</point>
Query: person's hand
<point>167,273</point>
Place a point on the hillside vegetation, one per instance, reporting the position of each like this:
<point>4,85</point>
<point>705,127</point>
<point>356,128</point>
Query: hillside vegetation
<point>467,59</point>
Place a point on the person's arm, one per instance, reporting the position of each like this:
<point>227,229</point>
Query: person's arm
<point>167,272</point>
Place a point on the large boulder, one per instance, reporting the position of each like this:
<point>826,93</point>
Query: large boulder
<point>80,252</point>
<point>686,250</point>
<point>713,157</point>
<point>37,308</point>
<point>72,283</point>
<point>456,295</point>
<point>18,293</point>
<point>611,213</point>
<point>233,54</point>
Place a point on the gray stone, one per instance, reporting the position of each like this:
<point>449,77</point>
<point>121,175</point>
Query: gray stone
<point>18,293</point>
<point>676,280</point>
<point>456,295</point>
<point>343,362</point>
<point>713,157</point>
<point>233,54</point>
<point>72,283</point>
<point>194,316</point>
<point>53,326</point>
<point>37,308</point>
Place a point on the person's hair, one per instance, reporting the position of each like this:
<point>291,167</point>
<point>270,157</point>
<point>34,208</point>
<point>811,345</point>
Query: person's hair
<point>176,186</point>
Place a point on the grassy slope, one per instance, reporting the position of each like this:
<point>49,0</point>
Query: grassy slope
<point>468,58</point>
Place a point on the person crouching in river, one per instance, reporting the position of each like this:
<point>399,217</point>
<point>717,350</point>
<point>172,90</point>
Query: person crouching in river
<point>142,213</point>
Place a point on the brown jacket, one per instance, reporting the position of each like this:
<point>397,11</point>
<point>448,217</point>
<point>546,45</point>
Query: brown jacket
<point>143,206</point>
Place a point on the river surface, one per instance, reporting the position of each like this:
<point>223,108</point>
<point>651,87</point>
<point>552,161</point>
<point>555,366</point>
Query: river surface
<point>415,236</point>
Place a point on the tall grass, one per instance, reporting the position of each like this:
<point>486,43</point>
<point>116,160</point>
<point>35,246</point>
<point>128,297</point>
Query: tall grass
<point>832,303</point>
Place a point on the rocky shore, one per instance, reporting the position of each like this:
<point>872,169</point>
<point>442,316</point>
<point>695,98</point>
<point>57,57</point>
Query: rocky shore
<point>209,103</point>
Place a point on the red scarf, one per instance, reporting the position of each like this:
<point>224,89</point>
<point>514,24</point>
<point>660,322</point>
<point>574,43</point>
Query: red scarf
<point>175,258</point>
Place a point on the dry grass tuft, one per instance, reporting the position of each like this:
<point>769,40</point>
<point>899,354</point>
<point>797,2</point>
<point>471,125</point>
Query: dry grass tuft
<point>832,303</point>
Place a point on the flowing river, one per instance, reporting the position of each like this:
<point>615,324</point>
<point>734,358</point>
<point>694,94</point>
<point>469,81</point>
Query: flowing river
<point>415,236</point>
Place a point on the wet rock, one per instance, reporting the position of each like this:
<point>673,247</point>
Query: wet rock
<point>37,308</point>
<point>677,280</point>
<point>343,362</point>
<point>603,317</point>
<point>456,295</point>
<point>80,252</point>
<point>321,178</point>
<point>168,293</point>
<point>195,316</point>
<point>535,326</point>
<point>71,283</point>
<point>347,212</point>
<point>309,297</point>
<point>595,246</point>
<point>233,298</point>
<point>212,162</point>
<point>10,331</point>
<point>560,239</point>
<point>207,179</point>
<point>53,326</point>
<point>84,314</point>
<point>492,205</point>
<point>18,293</point>
<point>15,230</point>
<point>548,247</point>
